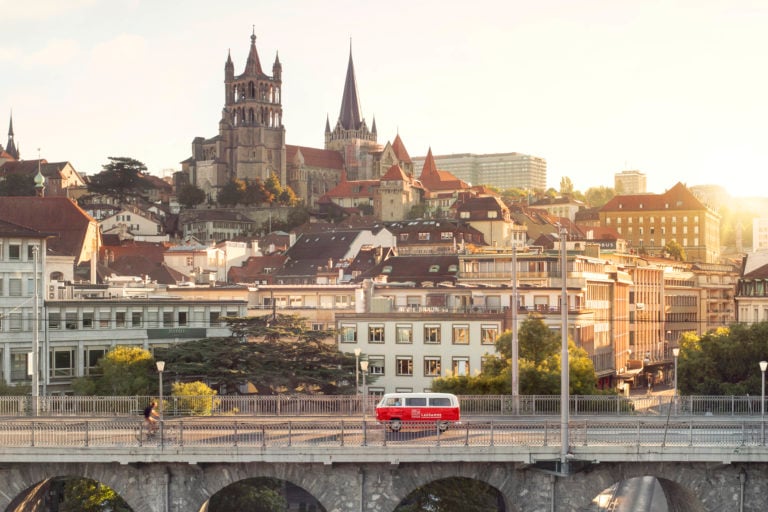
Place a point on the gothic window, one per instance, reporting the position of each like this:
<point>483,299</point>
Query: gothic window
<point>251,116</point>
<point>251,90</point>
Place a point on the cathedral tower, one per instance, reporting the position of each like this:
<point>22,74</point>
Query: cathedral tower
<point>251,130</point>
<point>351,135</point>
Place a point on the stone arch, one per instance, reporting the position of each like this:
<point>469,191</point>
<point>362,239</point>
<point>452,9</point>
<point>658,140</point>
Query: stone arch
<point>130,483</point>
<point>215,477</point>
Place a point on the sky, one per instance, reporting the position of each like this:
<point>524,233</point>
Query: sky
<point>675,89</point>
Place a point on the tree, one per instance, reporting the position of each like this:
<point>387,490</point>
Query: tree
<point>566,186</point>
<point>203,402</point>
<point>288,197</point>
<point>538,366</point>
<point>723,361</point>
<point>273,186</point>
<point>122,371</point>
<point>598,196</point>
<point>16,184</point>
<point>452,494</point>
<point>231,193</point>
<point>275,354</point>
<point>190,196</point>
<point>120,178</point>
<point>675,251</point>
<point>256,193</point>
<point>86,495</point>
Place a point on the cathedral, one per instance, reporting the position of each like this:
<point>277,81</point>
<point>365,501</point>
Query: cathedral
<point>251,143</point>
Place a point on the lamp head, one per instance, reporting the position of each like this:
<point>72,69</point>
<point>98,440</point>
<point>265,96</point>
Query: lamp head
<point>357,352</point>
<point>364,366</point>
<point>160,365</point>
<point>763,365</point>
<point>676,351</point>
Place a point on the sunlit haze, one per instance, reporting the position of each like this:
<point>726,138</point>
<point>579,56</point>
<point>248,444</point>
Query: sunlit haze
<point>676,90</point>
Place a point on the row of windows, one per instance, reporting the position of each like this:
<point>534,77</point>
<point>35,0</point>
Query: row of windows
<point>431,334</point>
<point>15,251</point>
<point>105,320</point>
<point>61,363</point>
<point>432,366</point>
<point>15,287</point>
<point>652,219</point>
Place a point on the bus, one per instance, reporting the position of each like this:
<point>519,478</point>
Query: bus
<point>395,409</point>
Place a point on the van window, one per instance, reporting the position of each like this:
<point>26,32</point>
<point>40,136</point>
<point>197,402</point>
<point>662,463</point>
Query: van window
<point>440,402</point>
<point>416,401</point>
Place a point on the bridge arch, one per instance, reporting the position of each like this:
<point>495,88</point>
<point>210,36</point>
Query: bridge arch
<point>21,480</point>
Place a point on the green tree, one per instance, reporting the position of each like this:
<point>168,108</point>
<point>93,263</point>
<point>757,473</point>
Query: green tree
<point>256,193</point>
<point>195,397</point>
<point>288,197</point>
<point>451,495</point>
<point>253,495</point>
<point>86,495</point>
<point>190,196</point>
<point>566,186</point>
<point>231,194</point>
<point>418,211</point>
<point>122,371</point>
<point>16,184</point>
<point>121,178</point>
<point>275,354</point>
<point>723,361</point>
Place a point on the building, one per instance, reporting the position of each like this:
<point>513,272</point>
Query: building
<point>760,234</point>
<point>752,289</point>
<point>500,170</point>
<point>630,182</point>
<point>649,221</point>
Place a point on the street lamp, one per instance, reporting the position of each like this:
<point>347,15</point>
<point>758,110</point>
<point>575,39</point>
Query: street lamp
<point>564,363</point>
<point>160,367</point>
<point>364,369</point>
<point>357,371</point>
<point>763,367</point>
<point>675,353</point>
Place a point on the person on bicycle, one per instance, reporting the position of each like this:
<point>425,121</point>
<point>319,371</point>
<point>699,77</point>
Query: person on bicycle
<point>151,416</point>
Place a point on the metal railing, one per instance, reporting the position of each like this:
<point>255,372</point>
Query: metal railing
<point>234,433</point>
<point>353,405</point>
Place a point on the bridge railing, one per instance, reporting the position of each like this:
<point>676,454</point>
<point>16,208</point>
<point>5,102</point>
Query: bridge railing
<point>179,434</point>
<point>353,405</point>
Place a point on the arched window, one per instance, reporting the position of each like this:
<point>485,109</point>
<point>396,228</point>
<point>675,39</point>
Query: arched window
<point>251,90</point>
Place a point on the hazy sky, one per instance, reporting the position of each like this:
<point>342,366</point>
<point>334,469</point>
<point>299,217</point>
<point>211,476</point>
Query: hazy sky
<point>676,89</point>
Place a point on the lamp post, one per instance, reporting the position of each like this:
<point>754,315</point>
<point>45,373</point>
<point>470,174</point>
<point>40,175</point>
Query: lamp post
<point>675,353</point>
<point>514,352</point>
<point>160,367</point>
<point>763,367</point>
<point>357,371</point>
<point>564,366</point>
<point>364,369</point>
<point>36,337</point>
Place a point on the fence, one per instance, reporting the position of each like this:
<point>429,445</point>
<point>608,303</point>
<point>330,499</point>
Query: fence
<point>353,405</point>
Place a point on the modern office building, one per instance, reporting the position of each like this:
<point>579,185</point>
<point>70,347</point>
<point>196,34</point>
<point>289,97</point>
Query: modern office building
<point>500,170</point>
<point>630,182</point>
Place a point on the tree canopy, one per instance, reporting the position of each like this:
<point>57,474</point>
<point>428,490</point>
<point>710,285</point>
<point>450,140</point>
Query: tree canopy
<point>723,361</point>
<point>122,371</point>
<point>538,366</point>
<point>190,196</point>
<point>16,184</point>
<point>121,178</point>
<point>274,354</point>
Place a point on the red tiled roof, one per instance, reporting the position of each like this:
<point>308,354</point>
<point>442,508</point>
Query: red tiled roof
<point>435,180</point>
<point>313,157</point>
<point>357,188</point>
<point>676,198</point>
<point>58,215</point>
<point>395,173</point>
<point>399,148</point>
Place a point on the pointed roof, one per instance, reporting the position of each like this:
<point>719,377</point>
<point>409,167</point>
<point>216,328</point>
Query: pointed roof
<point>10,147</point>
<point>679,197</point>
<point>430,167</point>
<point>402,154</point>
<point>350,117</point>
<point>253,64</point>
<point>395,173</point>
<point>437,181</point>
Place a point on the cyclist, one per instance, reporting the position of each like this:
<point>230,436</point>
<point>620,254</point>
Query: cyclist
<point>150,417</point>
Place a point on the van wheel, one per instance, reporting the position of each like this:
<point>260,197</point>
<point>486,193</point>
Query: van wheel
<point>442,426</point>
<point>395,425</point>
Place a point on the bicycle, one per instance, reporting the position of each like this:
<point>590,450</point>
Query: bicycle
<point>147,430</point>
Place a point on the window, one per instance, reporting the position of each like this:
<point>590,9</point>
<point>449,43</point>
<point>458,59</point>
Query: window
<point>404,333</point>
<point>404,365</point>
<point>87,320</point>
<point>136,319</point>
<point>182,318</point>
<point>214,318</point>
<point>434,268</point>
<point>317,326</point>
<point>14,321</point>
<point>446,235</point>
<point>493,214</point>
<point>376,333</point>
<point>424,236</point>
<point>431,334</point>
<point>70,320</point>
<point>104,319</point>
<point>460,366</point>
<point>14,287</point>
<point>54,320</point>
<point>91,357</point>
<point>62,362</point>
<point>488,334</point>
<point>460,335</point>
<point>376,365</point>
<point>167,318</point>
<point>464,215</point>
<point>120,319</point>
<point>14,252</point>
<point>348,333</point>
<point>432,366</point>
<point>19,366</point>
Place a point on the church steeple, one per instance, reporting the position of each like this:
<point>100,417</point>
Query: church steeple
<point>10,147</point>
<point>350,117</point>
<point>253,64</point>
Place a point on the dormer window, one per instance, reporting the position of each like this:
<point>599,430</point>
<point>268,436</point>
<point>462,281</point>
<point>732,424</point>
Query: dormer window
<point>493,214</point>
<point>434,268</point>
<point>463,215</point>
<point>387,269</point>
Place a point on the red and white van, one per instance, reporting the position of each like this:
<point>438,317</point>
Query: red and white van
<point>394,409</point>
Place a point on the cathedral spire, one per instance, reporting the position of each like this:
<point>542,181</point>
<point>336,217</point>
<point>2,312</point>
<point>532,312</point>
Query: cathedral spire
<point>350,117</point>
<point>10,147</point>
<point>253,65</point>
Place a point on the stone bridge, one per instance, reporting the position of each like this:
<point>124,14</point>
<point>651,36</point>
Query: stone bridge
<point>380,487</point>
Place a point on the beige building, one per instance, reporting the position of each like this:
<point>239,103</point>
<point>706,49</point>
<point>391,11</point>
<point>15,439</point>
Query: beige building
<point>630,182</point>
<point>650,221</point>
<point>500,170</point>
